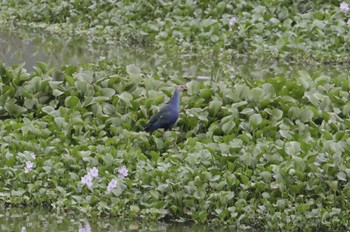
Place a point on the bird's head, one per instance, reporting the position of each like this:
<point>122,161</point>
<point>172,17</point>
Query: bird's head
<point>182,88</point>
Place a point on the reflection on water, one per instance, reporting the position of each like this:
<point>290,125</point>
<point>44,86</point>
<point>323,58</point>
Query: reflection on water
<point>37,46</point>
<point>39,219</point>
<point>30,47</point>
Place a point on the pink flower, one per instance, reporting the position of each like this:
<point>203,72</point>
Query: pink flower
<point>86,180</point>
<point>112,185</point>
<point>344,7</point>
<point>93,172</point>
<point>232,21</point>
<point>85,228</point>
<point>123,172</point>
<point>28,167</point>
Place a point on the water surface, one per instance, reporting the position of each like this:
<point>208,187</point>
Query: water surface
<point>31,46</point>
<point>38,219</point>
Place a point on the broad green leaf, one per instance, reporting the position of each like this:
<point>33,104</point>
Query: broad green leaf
<point>292,148</point>
<point>108,109</point>
<point>255,120</point>
<point>55,84</point>
<point>214,106</point>
<point>243,91</point>
<point>266,176</point>
<point>14,109</point>
<point>84,76</point>
<point>275,113</point>
<point>155,194</point>
<point>47,109</point>
<point>108,92</point>
<point>206,93</point>
<point>306,115</point>
<point>256,95</point>
<point>305,79</point>
<point>342,176</point>
<point>228,126</point>
<point>72,101</point>
<point>57,93</point>
<point>248,111</point>
<point>133,70</point>
<point>285,134</point>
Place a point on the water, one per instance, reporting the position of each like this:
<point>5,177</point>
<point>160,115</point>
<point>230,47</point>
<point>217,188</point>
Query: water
<point>39,219</point>
<point>29,47</point>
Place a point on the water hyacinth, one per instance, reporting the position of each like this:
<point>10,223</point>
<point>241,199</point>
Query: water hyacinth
<point>93,172</point>
<point>112,185</point>
<point>85,228</point>
<point>232,22</point>
<point>86,180</point>
<point>123,171</point>
<point>28,167</point>
<point>344,7</point>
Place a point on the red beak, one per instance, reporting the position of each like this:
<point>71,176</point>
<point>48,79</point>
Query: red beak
<point>183,87</point>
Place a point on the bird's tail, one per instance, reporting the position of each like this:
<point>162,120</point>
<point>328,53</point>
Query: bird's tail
<point>147,128</point>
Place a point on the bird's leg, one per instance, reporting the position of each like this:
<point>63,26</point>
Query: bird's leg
<point>175,138</point>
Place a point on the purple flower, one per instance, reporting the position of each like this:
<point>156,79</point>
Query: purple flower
<point>348,22</point>
<point>344,7</point>
<point>86,180</point>
<point>112,185</point>
<point>28,167</point>
<point>85,228</point>
<point>24,229</point>
<point>123,172</point>
<point>232,21</point>
<point>93,172</point>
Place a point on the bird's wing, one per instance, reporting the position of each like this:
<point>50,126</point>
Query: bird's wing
<point>162,116</point>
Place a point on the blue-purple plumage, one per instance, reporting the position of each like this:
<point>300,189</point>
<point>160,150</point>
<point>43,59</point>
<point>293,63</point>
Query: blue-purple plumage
<point>167,116</point>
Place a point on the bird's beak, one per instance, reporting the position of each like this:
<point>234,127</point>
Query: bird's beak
<point>184,88</point>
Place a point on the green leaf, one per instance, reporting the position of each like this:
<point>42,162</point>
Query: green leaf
<point>305,79</point>
<point>214,106</point>
<point>155,194</point>
<point>133,70</point>
<point>306,115</point>
<point>57,93</point>
<point>285,134</point>
<point>255,120</point>
<point>13,109</point>
<point>108,92</point>
<point>228,126</point>
<point>276,114</point>
<point>342,176</point>
<point>72,101</point>
<point>84,76</point>
<point>47,109</point>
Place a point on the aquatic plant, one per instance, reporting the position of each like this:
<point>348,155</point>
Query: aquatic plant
<point>255,152</point>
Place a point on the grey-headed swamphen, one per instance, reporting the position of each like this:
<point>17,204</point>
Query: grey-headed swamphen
<point>167,116</point>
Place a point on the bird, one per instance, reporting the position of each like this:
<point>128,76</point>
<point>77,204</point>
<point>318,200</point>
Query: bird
<point>168,115</point>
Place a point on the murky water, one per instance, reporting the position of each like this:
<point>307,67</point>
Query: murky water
<point>30,47</point>
<point>39,219</point>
